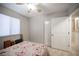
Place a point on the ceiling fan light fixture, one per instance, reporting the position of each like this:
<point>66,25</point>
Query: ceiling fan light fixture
<point>31,7</point>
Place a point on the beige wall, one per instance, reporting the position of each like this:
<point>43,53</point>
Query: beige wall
<point>24,21</point>
<point>37,28</point>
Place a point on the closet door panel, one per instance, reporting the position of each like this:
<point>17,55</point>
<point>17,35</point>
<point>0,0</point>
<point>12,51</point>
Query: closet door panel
<point>60,33</point>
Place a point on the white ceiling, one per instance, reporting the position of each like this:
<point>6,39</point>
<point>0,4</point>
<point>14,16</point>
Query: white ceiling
<point>46,8</point>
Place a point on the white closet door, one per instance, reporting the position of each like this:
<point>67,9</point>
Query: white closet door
<point>15,26</point>
<point>4,25</point>
<point>60,29</point>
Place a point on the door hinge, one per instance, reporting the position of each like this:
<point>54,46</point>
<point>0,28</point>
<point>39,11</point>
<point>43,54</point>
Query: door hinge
<point>68,32</point>
<point>52,34</point>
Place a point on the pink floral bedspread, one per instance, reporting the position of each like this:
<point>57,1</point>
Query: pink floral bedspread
<point>25,48</point>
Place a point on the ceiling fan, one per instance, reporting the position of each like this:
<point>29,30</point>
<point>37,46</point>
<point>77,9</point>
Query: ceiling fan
<point>31,7</point>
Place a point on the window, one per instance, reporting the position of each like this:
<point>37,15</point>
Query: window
<point>15,26</point>
<point>4,25</point>
<point>9,25</point>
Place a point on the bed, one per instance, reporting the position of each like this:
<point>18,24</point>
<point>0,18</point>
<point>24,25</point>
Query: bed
<point>25,48</point>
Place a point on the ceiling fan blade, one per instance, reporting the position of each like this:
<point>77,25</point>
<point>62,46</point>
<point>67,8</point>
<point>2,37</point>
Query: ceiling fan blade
<point>19,3</point>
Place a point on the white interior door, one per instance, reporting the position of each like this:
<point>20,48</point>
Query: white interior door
<point>60,33</point>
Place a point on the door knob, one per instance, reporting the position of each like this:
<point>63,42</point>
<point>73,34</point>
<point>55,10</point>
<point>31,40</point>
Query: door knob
<point>68,33</point>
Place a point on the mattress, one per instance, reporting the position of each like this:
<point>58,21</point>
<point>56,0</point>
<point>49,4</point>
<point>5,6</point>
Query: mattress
<point>25,48</point>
